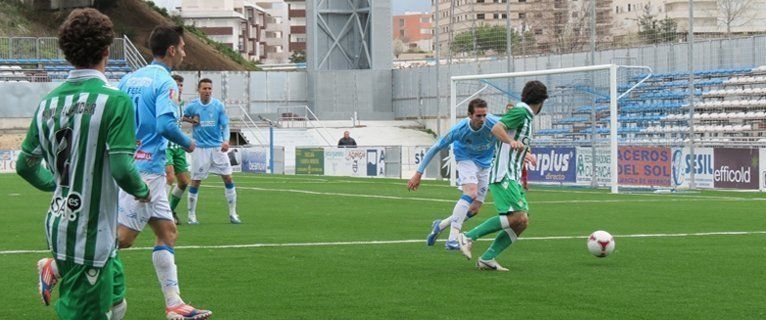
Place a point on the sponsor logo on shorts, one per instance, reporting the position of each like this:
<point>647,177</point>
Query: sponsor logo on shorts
<point>92,276</point>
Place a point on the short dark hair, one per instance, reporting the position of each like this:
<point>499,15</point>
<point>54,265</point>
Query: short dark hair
<point>534,92</point>
<point>178,77</point>
<point>204,80</point>
<point>84,36</point>
<point>164,37</point>
<point>476,103</point>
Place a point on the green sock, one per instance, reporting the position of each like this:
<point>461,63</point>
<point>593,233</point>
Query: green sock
<point>502,241</point>
<point>490,225</point>
<point>174,202</point>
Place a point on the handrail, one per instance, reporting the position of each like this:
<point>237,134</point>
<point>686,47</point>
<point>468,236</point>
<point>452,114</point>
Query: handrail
<point>250,124</point>
<point>132,56</point>
<point>322,133</point>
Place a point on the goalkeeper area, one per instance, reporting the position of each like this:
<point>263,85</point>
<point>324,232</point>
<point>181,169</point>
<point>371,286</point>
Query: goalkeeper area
<point>583,111</point>
<point>316,247</point>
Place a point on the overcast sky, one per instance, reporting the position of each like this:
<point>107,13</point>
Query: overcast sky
<point>400,6</point>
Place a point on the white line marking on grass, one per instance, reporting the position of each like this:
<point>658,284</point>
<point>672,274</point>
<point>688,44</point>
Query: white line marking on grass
<point>375,196</point>
<point>378,242</point>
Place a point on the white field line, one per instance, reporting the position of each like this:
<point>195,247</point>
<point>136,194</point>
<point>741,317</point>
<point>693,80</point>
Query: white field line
<point>375,196</point>
<point>403,184</point>
<point>378,242</point>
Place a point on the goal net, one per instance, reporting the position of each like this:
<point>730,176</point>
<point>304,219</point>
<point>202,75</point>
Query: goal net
<point>589,131</point>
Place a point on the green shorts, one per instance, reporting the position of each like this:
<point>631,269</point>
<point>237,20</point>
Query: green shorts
<point>176,157</point>
<point>89,293</point>
<point>509,196</point>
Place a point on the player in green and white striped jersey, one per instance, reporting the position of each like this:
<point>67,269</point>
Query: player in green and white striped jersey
<point>84,130</point>
<point>514,132</point>
<point>176,166</point>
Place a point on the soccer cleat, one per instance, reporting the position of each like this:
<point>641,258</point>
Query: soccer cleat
<point>47,279</point>
<point>193,220</point>
<point>489,265</point>
<point>465,245</point>
<point>186,312</point>
<point>431,239</point>
<point>452,245</point>
<point>175,218</point>
<point>234,219</point>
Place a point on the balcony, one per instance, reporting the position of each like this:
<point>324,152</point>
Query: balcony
<point>297,29</point>
<point>297,13</point>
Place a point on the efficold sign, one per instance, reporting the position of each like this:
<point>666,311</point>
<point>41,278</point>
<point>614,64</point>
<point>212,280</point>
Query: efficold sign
<point>736,168</point>
<point>683,164</point>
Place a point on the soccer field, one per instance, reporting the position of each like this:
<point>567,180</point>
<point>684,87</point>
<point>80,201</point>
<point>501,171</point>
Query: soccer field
<point>342,248</point>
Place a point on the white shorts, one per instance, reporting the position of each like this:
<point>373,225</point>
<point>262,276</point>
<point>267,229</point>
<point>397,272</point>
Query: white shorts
<point>135,214</point>
<point>469,173</point>
<point>209,160</point>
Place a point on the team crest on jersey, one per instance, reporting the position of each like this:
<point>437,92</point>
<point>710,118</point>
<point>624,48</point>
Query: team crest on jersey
<point>174,96</point>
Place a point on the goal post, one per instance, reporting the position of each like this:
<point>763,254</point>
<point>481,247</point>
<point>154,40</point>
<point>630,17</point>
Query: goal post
<point>582,110</point>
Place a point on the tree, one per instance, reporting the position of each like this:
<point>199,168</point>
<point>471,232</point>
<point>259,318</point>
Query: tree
<point>652,30</point>
<point>298,56</point>
<point>488,38</point>
<point>734,13</point>
<point>398,47</point>
<point>570,33</point>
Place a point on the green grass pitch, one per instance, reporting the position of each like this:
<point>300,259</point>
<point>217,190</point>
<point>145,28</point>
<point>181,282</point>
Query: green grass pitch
<point>653,277</point>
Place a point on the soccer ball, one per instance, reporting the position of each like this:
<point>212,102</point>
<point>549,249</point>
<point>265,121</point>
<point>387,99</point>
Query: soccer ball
<point>600,243</point>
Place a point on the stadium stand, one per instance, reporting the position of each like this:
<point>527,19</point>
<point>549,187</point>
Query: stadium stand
<point>730,105</point>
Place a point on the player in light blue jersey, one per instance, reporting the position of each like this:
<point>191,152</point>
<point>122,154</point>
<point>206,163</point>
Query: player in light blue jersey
<point>474,147</point>
<point>211,130</point>
<point>156,97</point>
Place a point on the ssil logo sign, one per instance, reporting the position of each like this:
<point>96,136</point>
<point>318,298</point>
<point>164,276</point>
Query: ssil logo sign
<point>554,165</point>
<point>701,165</point>
<point>736,168</point>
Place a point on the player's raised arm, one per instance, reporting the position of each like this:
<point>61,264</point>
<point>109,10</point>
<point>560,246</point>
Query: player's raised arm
<point>443,142</point>
<point>29,164</point>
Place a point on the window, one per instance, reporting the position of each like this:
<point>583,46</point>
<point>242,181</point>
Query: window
<point>479,1</point>
<point>425,31</point>
<point>505,16</point>
<point>401,33</point>
<point>425,20</point>
<point>628,7</point>
<point>480,16</point>
<point>538,31</point>
<point>401,22</point>
<point>496,16</point>
<point>522,15</point>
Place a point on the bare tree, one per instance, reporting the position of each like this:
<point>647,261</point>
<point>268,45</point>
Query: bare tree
<point>570,28</point>
<point>399,47</point>
<point>734,13</point>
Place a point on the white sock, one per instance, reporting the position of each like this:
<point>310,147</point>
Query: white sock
<point>231,198</point>
<point>193,202</point>
<point>177,192</point>
<point>458,216</point>
<point>445,223</point>
<point>163,258</point>
<point>118,311</point>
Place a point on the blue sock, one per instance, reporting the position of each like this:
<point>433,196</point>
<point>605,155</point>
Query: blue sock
<point>193,190</point>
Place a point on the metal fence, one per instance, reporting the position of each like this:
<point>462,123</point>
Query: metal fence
<point>31,48</point>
